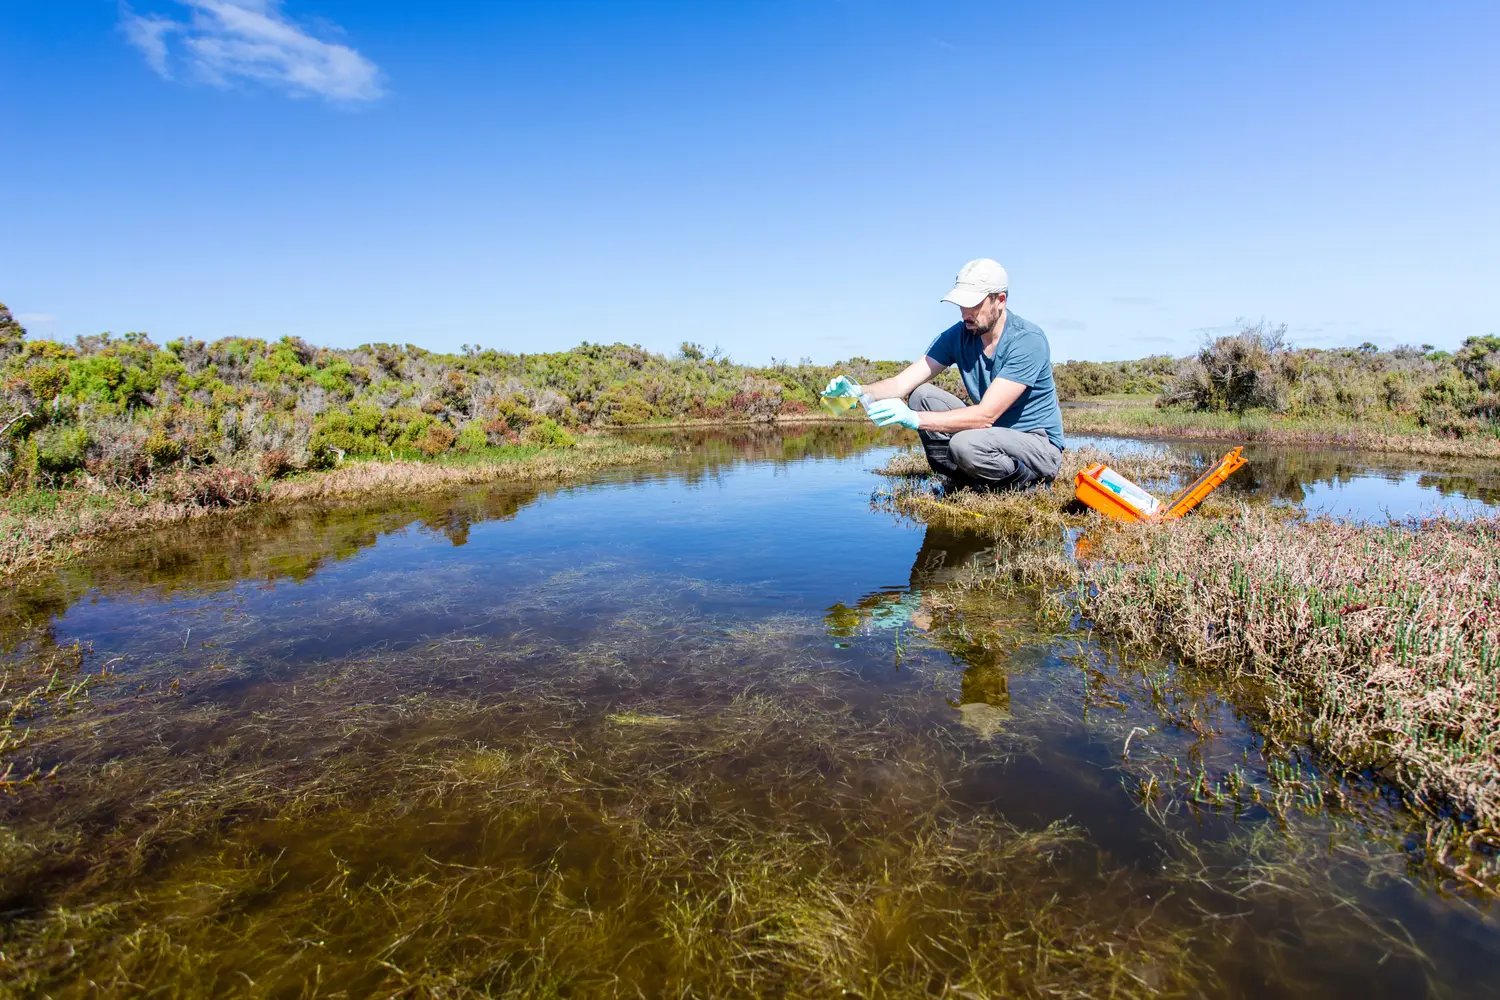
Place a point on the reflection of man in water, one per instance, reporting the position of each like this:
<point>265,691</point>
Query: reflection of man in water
<point>944,552</point>
<point>1011,435</point>
<point>941,555</point>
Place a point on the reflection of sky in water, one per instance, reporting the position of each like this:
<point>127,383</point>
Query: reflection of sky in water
<point>751,542</point>
<point>1374,497</point>
<point>1117,446</point>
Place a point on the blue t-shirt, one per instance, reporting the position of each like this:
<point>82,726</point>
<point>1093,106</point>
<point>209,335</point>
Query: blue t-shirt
<point>1021,355</point>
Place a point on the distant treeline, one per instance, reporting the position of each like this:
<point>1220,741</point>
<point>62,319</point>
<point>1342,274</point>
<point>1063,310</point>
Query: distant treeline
<point>118,410</point>
<point>1420,388</point>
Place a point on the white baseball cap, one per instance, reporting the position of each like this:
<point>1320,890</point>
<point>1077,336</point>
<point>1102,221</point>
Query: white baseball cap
<point>976,279</point>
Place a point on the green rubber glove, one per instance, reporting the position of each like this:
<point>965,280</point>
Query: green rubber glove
<point>842,385</point>
<point>885,412</point>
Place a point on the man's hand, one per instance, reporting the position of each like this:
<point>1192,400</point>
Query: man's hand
<point>885,412</point>
<point>842,385</point>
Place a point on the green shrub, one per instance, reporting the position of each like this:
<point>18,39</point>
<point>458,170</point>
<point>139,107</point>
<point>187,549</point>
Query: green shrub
<point>623,406</point>
<point>96,379</point>
<point>285,364</point>
<point>162,449</point>
<point>45,379</point>
<point>405,426</point>
<point>357,430</point>
<point>472,437</point>
<point>61,450</point>
<point>516,414</point>
<point>1479,361</point>
<point>545,433</point>
<point>336,378</point>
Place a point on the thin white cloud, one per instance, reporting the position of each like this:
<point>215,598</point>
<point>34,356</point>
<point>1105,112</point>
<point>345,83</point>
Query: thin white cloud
<point>30,320</point>
<point>149,34</point>
<point>229,42</point>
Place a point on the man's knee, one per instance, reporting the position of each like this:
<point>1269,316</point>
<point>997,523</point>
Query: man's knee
<point>971,456</point>
<point>927,397</point>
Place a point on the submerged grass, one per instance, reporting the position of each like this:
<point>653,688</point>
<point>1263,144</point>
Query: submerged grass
<point>47,527</point>
<point>485,819</point>
<point>1376,645</point>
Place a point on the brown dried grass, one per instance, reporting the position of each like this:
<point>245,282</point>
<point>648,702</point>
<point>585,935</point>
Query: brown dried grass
<point>1379,645</point>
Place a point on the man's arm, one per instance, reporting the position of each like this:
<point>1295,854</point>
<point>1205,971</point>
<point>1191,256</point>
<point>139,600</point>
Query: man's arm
<point>903,385</point>
<point>999,397</point>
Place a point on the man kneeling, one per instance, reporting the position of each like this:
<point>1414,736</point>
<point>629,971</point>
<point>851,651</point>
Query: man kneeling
<point>1012,437</point>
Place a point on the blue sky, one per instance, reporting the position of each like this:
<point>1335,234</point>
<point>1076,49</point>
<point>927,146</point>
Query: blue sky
<point>780,179</point>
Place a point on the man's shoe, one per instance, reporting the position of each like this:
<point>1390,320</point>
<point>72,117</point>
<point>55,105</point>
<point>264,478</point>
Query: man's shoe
<point>940,486</point>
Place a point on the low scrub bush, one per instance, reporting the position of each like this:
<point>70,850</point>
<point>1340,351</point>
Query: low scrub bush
<point>471,438</point>
<point>212,487</point>
<point>545,433</point>
<point>276,463</point>
<point>117,454</point>
<point>61,450</point>
<point>1235,373</point>
<point>435,440</point>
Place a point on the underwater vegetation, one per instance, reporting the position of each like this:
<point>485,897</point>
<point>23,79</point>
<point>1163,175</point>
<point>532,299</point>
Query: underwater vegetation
<point>516,818</point>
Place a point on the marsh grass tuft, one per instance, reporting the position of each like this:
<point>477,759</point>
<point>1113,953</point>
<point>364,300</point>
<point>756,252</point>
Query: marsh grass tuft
<point>1376,645</point>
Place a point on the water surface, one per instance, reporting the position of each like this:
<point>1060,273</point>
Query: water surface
<point>716,727</point>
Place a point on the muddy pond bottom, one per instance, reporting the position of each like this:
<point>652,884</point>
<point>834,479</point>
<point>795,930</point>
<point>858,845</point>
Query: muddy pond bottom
<point>713,729</point>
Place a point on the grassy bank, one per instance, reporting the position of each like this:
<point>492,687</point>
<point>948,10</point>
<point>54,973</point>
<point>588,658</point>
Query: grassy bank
<point>1139,416</point>
<point>1376,645</point>
<point>43,526</point>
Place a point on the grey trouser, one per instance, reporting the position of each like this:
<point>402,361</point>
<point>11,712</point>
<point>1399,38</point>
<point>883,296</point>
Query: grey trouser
<point>995,457</point>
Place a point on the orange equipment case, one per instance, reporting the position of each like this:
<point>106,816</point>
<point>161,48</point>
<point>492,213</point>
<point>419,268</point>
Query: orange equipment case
<point>1109,503</point>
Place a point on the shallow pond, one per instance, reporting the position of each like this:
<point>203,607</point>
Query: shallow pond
<point>716,728</point>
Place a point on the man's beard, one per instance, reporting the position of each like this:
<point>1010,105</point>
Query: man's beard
<point>981,330</point>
